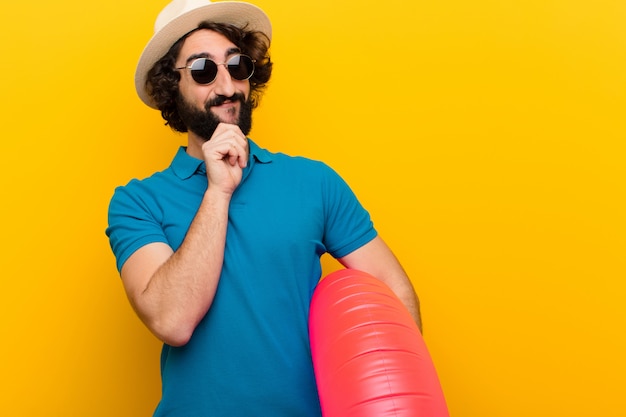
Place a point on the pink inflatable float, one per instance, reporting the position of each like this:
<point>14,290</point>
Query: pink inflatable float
<point>369,357</point>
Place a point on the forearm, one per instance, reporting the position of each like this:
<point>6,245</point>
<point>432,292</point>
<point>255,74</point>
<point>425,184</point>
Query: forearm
<point>180,292</point>
<point>403,289</point>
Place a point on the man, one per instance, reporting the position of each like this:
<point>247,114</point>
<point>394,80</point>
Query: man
<point>220,253</point>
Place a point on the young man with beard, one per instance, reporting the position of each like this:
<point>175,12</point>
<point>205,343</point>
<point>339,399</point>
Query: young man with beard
<point>220,253</point>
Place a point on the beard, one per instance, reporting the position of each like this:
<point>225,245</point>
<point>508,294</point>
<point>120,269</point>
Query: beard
<point>203,122</point>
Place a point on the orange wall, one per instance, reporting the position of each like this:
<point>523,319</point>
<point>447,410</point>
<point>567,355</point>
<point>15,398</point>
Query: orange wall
<point>485,137</point>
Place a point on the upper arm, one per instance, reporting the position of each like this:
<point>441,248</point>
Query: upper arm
<point>377,259</point>
<point>141,266</point>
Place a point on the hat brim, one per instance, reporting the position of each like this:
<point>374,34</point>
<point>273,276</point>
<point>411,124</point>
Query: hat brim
<point>235,13</point>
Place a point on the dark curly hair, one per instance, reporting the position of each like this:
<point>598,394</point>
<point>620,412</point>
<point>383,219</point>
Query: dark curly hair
<point>163,78</point>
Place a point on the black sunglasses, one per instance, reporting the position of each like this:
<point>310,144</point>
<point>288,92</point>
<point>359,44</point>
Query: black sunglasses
<point>204,70</point>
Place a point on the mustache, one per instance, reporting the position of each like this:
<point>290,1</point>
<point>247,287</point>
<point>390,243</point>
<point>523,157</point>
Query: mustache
<point>219,100</point>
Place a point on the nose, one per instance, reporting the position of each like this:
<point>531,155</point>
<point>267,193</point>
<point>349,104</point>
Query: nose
<point>224,85</point>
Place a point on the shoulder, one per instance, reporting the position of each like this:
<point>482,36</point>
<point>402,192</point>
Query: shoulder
<point>144,188</point>
<point>169,180</point>
<point>302,166</point>
<point>266,156</point>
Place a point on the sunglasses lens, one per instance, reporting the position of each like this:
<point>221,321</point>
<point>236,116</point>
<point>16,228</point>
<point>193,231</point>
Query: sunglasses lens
<point>203,71</point>
<point>240,67</point>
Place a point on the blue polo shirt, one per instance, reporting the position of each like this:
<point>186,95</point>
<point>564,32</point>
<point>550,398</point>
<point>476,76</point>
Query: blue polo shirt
<point>250,355</point>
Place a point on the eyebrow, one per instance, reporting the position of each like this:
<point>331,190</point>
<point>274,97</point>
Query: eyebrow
<point>229,52</point>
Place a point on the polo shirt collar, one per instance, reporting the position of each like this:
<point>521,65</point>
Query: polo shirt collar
<point>185,165</point>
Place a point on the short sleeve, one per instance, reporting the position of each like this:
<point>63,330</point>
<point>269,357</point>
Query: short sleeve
<point>133,222</point>
<point>348,225</point>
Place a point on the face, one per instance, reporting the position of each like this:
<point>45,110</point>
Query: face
<point>203,107</point>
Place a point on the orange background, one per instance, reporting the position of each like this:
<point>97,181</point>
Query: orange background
<point>486,138</point>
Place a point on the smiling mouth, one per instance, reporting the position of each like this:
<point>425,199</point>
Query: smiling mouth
<point>228,103</point>
<point>221,100</point>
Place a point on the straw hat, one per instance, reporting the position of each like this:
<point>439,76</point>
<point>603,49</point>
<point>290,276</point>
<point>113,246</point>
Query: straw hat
<point>181,17</point>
